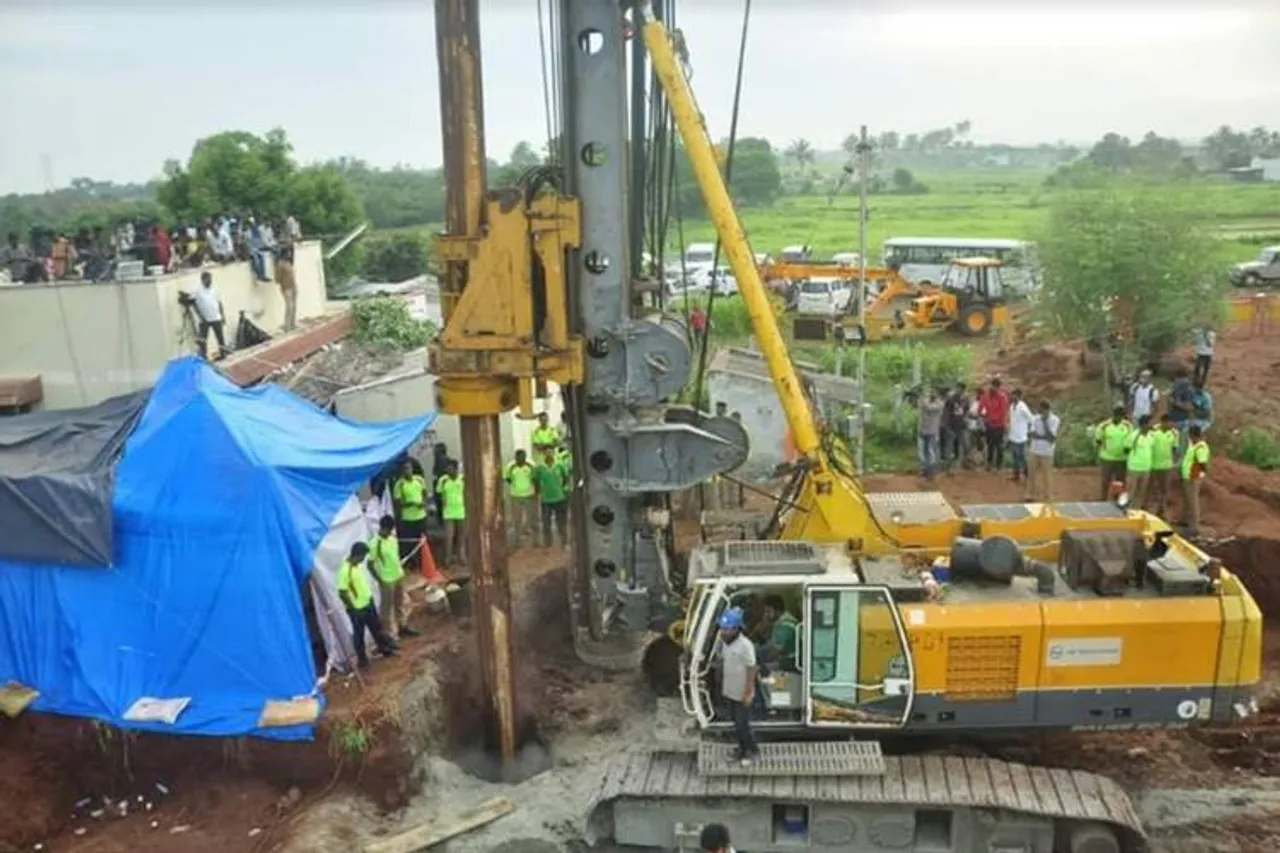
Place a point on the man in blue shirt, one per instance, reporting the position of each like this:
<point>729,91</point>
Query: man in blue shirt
<point>1201,406</point>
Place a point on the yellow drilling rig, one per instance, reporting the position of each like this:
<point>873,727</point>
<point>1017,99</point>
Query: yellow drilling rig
<point>915,619</point>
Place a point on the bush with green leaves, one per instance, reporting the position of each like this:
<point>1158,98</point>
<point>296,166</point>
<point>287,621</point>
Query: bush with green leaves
<point>384,321</point>
<point>396,256</point>
<point>1129,259</point>
<point>1258,447</point>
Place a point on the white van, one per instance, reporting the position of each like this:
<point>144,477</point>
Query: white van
<point>699,255</point>
<point>824,297</point>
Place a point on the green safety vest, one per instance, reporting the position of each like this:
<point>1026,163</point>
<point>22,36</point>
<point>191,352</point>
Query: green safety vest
<point>520,479</point>
<point>1198,452</point>
<point>1113,440</point>
<point>385,554</point>
<point>453,505</point>
<point>1140,451</point>
<point>354,586</point>
<point>411,492</point>
<point>544,437</point>
<point>1163,443</point>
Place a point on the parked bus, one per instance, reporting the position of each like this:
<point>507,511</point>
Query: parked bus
<point>924,260</point>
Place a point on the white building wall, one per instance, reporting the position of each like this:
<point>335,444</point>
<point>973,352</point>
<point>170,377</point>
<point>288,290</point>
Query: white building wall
<point>88,341</point>
<point>413,394</point>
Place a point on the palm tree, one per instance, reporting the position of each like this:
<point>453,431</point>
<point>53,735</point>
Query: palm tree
<point>801,152</point>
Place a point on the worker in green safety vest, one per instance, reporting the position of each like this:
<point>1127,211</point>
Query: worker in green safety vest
<point>522,499</point>
<point>1139,447</point>
<point>409,495</point>
<point>545,437</point>
<point>1112,437</point>
<point>453,511</point>
<point>552,483</point>
<point>1164,446</point>
<point>356,593</point>
<point>1195,465</point>
<point>384,557</point>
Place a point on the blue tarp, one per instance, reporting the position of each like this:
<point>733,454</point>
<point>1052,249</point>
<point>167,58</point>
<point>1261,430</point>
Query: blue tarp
<point>221,498</point>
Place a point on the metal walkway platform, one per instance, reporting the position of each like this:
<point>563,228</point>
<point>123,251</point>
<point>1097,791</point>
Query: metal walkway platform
<point>817,759</point>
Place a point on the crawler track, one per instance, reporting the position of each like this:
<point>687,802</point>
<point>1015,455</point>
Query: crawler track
<point>669,783</point>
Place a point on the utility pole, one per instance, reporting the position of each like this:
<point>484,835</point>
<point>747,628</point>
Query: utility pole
<point>864,163</point>
<point>462,124</point>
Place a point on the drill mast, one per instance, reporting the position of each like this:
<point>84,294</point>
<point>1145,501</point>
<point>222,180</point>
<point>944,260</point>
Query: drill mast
<point>538,287</point>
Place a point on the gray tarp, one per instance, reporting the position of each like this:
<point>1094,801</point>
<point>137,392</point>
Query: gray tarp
<point>57,478</point>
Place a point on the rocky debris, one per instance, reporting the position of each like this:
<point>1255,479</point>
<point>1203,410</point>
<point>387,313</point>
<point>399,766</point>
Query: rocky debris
<point>336,367</point>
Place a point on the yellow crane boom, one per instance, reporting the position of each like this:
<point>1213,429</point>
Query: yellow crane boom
<point>831,505</point>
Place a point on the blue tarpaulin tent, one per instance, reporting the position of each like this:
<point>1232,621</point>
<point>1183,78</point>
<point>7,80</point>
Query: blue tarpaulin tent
<point>221,497</point>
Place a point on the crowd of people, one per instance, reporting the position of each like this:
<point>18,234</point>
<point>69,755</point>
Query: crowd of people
<point>95,254</point>
<point>1152,446</point>
<point>539,481</point>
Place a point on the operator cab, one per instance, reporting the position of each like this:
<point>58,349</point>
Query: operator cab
<point>970,299</point>
<point>847,666</point>
<point>975,279</point>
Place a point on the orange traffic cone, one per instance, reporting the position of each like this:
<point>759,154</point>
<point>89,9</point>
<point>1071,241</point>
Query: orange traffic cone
<point>429,570</point>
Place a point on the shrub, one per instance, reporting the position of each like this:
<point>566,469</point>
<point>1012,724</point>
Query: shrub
<point>384,321</point>
<point>1258,447</point>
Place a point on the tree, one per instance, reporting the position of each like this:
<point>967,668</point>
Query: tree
<point>903,180</point>
<point>888,141</point>
<point>1157,153</point>
<point>1129,260</point>
<point>801,153</point>
<point>756,179</point>
<point>396,198</point>
<point>233,172</point>
<point>1112,152</point>
<point>850,143</point>
<point>322,202</point>
<point>1227,148</point>
<point>396,257</point>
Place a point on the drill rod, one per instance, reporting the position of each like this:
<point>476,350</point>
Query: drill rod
<point>462,124</point>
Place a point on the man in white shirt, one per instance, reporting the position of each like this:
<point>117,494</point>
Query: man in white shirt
<point>1019,429</point>
<point>1143,397</point>
<point>1045,427</point>
<point>209,309</point>
<point>736,655</point>
<point>1202,340</point>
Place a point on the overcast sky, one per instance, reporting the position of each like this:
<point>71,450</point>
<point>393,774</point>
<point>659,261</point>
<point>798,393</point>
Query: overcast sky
<point>111,90</point>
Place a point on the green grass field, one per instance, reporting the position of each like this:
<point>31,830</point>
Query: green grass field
<point>982,203</point>
<point>962,203</point>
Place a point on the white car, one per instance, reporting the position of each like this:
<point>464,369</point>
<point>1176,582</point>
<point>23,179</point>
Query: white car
<point>825,297</point>
<point>1263,270</point>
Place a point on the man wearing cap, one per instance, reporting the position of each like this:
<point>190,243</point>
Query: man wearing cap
<point>737,657</point>
<point>357,594</point>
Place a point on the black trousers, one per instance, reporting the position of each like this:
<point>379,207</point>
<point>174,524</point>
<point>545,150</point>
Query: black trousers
<point>408,533</point>
<point>995,446</point>
<point>558,514</point>
<point>205,326</point>
<point>1200,372</point>
<point>741,715</point>
<point>367,619</point>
